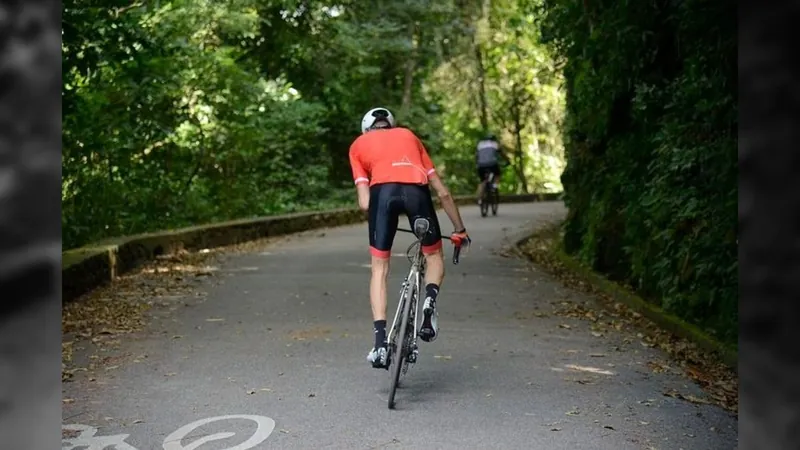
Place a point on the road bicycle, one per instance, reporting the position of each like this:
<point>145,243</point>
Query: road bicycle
<point>491,196</point>
<point>402,349</point>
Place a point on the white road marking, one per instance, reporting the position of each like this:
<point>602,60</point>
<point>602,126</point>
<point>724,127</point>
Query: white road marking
<point>265,428</point>
<point>87,439</point>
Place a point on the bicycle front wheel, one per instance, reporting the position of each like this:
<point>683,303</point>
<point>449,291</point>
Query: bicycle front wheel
<point>400,346</point>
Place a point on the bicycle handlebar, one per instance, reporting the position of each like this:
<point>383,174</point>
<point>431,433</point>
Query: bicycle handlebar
<point>456,250</point>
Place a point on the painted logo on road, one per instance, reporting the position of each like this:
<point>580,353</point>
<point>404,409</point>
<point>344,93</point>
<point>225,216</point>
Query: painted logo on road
<point>87,438</point>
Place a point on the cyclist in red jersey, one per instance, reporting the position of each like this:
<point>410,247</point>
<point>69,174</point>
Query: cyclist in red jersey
<point>392,173</point>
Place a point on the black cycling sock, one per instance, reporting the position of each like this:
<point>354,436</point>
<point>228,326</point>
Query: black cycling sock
<point>380,333</point>
<point>432,291</point>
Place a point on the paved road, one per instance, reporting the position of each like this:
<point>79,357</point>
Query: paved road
<point>294,338</point>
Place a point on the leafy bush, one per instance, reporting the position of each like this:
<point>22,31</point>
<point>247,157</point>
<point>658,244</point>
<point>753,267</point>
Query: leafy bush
<point>188,111</point>
<point>651,177</point>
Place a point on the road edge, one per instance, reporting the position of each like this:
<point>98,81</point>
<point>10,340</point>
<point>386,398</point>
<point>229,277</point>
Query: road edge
<point>87,268</point>
<point>664,320</point>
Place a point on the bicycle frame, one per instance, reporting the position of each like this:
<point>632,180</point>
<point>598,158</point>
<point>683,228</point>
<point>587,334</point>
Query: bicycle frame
<point>412,281</point>
<point>489,182</point>
<point>407,349</point>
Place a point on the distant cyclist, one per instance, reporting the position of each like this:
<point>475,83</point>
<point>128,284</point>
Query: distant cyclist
<point>392,172</point>
<point>487,159</point>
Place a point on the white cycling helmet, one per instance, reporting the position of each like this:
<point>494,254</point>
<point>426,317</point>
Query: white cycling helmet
<point>374,114</point>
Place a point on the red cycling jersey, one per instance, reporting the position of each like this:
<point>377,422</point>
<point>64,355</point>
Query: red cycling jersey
<point>392,155</point>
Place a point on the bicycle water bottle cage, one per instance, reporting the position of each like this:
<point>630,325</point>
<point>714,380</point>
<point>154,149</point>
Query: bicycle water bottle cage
<point>421,227</point>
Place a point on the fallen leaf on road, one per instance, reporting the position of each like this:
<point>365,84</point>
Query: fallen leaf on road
<point>69,434</point>
<point>119,307</point>
<point>609,427</point>
<point>720,382</point>
<point>447,358</point>
<point>215,319</point>
<point>555,429</point>
<point>657,366</point>
<point>597,355</point>
<point>688,397</point>
<point>563,325</point>
<point>68,400</point>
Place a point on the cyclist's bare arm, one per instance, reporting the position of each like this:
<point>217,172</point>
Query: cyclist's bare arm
<point>362,189</point>
<point>441,191</point>
<point>448,203</point>
<point>361,177</point>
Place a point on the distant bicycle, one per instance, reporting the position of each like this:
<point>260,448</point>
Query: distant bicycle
<point>402,348</point>
<point>491,196</point>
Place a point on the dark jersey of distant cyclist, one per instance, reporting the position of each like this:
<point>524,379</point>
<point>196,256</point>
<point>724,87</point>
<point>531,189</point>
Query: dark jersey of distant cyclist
<point>487,158</point>
<point>486,153</point>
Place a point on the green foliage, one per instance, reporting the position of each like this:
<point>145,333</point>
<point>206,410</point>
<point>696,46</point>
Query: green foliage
<point>189,111</point>
<point>167,126</point>
<point>518,72</point>
<point>650,132</point>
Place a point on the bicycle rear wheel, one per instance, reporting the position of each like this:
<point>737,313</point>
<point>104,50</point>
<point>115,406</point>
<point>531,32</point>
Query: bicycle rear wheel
<point>495,201</point>
<point>485,200</point>
<point>400,346</point>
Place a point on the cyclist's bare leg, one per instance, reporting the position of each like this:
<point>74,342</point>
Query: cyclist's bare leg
<point>434,268</point>
<point>377,299</point>
<point>435,262</point>
<point>377,287</point>
<point>434,275</point>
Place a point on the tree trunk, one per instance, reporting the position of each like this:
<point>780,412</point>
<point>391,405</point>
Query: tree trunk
<point>482,88</point>
<point>411,65</point>
<point>484,108</point>
<point>588,14</point>
<point>516,113</point>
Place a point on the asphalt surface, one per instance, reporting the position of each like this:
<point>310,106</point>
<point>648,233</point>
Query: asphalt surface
<point>285,336</point>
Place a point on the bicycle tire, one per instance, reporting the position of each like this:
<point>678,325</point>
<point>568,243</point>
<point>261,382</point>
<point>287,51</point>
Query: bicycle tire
<point>400,347</point>
<point>495,201</point>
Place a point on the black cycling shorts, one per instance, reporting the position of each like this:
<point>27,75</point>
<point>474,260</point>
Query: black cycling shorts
<point>386,203</point>
<point>486,170</point>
